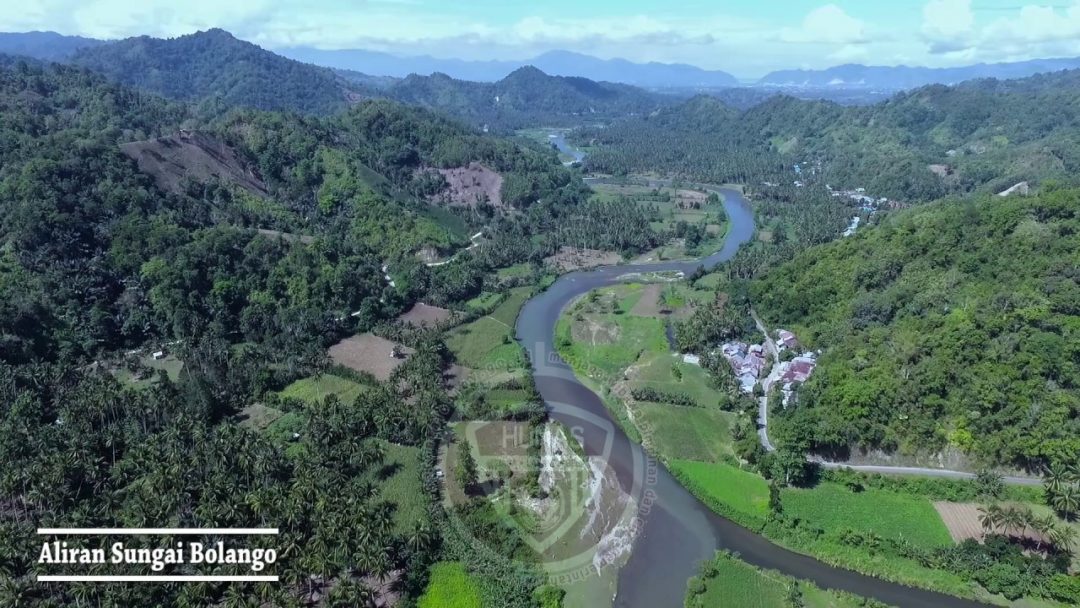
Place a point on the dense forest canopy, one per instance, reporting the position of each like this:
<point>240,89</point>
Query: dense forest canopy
<point>223,72</point>
<point>247,284</point>
<point>214,64</point>
<point>984,135</point>
<point>95,256</point>
<point>953,324</point>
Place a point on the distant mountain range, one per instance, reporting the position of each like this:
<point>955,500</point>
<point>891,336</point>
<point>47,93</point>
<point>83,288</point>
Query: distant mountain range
<point>214,65</point>
<point>903,77</point>
<point>48,46</point>
<point>556,63</point>
<point>557,88</point>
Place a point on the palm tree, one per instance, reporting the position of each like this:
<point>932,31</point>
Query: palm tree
<point>990,518</point>
<point>1044,526</point>
<point>1011,519</point>
<point>1063,537</point>
<point>1066,501</point>
<point>1055,478</point>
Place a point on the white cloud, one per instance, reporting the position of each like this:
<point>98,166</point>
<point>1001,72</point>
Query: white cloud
<point>827,24</point>
<point>950,32</point>
<point>946,20</point>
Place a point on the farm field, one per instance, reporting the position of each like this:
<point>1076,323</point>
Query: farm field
<point>370,354</point>
<point>888,514</point>
<point>401,483</point>
<point>727,582</point>
<point>669,373</point>
<point>744,492</point>
<point>488,342</point>
<point>258,416</point>
<point>318,388</point>
<point>484,301</point>
<point>606,345</point>
<point>450,586</point>
<point>684,433</point>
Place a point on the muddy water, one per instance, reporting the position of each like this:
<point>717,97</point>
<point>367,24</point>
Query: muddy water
<point>676,531</point>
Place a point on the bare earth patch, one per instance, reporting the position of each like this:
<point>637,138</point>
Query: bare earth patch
<point>369,353</point>
<point>594,332</point>
<point>469,185</point>
<point>422,315</point>
<point>192,155</point>
<point>649,305</point>
<point>576,258</point>
<point>962,520</point>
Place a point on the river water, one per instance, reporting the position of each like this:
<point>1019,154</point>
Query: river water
<point>676,531</point>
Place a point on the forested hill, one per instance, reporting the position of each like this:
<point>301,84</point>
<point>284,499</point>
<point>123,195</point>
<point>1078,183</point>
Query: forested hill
<point>955,324</point>
<point>918,145</point>
<point>215,64</point>
<point>527,97</point>
<point>105,248</point>
<point>227,72</point>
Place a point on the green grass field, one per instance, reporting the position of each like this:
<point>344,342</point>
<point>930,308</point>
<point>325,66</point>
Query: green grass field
<point>888,514</point>
<point>517,270</point>
<point>318,388</point>
<point>728,582</point>
<point>670,373</point>
<point>481,344</point>
<point>487,343</point>
<point>636,336</point>
<point>685,433</point>
<point>450,586</point>
<point>736,584</point>
<point>403,486</point>
<point>742,491</point>
<point>484,301</point>
<point>507,312</point>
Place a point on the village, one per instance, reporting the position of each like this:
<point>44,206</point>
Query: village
<point>750,361</point>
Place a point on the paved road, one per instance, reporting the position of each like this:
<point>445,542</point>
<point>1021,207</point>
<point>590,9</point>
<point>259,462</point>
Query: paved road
<point>763,401</point>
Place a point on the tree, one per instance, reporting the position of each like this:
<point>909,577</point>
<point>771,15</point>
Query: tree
<point>990,518</point>
<point>789,467</point>
<point>1066,501</point>
<point>465,471</point>
<point>989,483</point>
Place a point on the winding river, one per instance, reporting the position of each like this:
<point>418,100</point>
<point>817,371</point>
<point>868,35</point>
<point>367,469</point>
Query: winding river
<point>677,532</point>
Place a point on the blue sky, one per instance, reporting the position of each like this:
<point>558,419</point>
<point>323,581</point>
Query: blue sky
<point>745,38</point>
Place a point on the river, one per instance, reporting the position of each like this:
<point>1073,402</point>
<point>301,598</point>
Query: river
<point>678,532</point>
<point>559,139</point>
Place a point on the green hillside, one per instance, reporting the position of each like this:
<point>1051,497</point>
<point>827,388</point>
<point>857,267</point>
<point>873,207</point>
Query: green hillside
<point>955,324</point>
<point>979,135</point>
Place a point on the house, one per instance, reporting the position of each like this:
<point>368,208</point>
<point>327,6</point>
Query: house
<point>158,355</point>
<point>747,362</point>
<point>785,339</point>
<point>798,369</point>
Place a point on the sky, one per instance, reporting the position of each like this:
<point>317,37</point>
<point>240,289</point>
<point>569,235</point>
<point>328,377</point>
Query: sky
<point>747,39</point>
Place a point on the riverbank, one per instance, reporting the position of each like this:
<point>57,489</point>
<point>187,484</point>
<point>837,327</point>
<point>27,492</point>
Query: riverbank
<point>618,348</point>
<point>677,531</point>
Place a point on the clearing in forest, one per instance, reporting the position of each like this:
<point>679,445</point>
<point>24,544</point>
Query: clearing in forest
<point>369,353</point>
<point>424,315</point>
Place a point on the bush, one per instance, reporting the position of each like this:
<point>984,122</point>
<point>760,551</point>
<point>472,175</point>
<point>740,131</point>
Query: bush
<point>647,393</point>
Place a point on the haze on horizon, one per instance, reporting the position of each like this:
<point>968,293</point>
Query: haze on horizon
<point>747,39</point>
